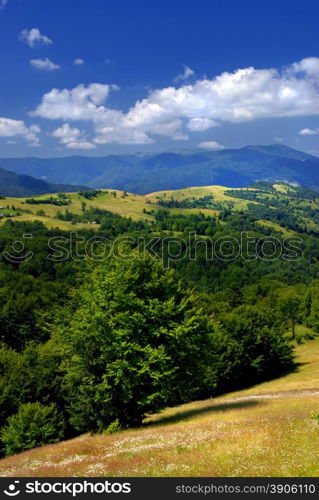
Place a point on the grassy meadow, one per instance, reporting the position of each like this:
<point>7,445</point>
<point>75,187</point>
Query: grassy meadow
<point>265,430</point>
<point>137,207</point>
<point>131,205</point>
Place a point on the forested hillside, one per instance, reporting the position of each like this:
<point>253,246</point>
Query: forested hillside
<point>142,173</point>
<point>125,315</point>
<point>12,184</point>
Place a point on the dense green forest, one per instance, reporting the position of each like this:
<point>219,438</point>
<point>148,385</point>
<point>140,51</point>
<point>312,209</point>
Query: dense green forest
<point>94,339</point>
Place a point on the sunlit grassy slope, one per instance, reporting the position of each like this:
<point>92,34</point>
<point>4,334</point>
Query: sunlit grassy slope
<point>265,430</point>
<point>130,205</point>
<point>138,207</point>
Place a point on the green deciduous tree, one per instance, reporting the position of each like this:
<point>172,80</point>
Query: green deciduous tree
<point>251,347</point>
<point>135,344</point>
<point>290,307</point>
<point>32,426</point>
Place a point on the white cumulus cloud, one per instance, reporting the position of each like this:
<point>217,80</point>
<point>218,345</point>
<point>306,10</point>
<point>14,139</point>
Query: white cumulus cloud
<point>72,138</point>
<point>244,95</point>
<point>170,129</point>
<point>34,37</point>
<point>81,103</point>
<point>200,124</point>
<point>309,65</point>
<point>211,145</point>
<point>12,128</point>
<point>44,64</point>
<point>309,131</point>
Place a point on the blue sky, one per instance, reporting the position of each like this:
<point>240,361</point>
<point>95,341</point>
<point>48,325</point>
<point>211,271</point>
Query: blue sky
<point>97,77</point>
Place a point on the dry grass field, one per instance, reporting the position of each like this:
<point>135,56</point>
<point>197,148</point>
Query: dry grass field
<point>265,430</point>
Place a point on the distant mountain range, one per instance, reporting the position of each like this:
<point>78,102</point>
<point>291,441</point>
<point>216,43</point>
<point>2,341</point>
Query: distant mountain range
<point>143,173</point>
<point>12,184</point>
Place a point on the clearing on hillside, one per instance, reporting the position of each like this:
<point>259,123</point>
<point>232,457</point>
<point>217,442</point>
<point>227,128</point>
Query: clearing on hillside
<point>265,430</point>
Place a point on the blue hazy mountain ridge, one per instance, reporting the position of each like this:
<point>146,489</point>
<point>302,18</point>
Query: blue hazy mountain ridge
<point>12,184</point>
<point>143,173</point>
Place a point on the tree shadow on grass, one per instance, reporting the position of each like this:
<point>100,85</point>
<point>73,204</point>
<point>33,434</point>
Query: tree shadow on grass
<point>294,367</point>
<point>210,408</point>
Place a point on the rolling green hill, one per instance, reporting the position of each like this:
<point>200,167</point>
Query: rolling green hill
<point>281,207</point>
<point>144,173</point>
